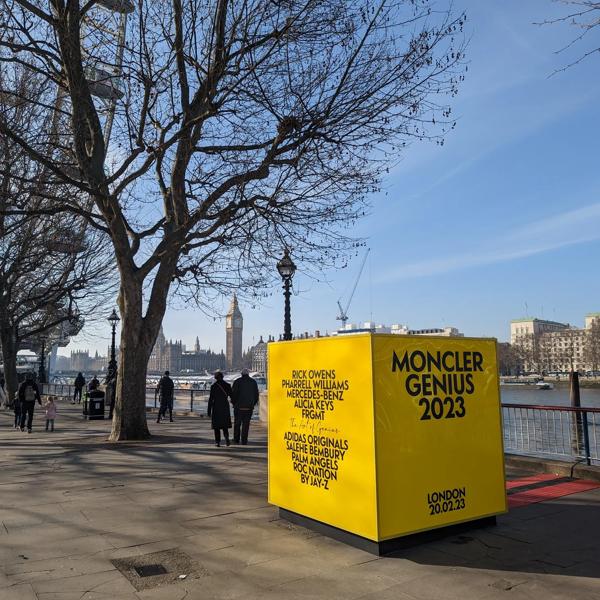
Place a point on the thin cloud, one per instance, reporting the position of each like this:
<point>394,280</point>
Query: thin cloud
<point>566,229</point>
<point>475,141</point>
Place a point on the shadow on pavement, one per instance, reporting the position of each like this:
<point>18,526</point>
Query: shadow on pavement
<point>559,537</point>
<point>176,487</point>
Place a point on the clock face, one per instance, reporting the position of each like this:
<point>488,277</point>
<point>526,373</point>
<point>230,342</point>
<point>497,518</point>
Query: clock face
<point>228,321</point>
<point>237,322</point>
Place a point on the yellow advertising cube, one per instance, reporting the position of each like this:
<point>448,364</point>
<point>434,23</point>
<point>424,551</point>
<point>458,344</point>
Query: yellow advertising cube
<point>381,436</point>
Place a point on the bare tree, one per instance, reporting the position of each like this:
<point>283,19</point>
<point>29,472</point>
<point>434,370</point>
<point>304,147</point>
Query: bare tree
<point>527,348</point>
<point>508,359</point>
<point>53,270</point>
<point>584,17</point>
<point>545,346</point>
<point>592,346</point>
<point>241,127</point>
<point>569,348</point>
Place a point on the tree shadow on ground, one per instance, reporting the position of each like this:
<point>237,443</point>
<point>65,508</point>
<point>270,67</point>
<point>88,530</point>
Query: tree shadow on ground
<point>561,537</point>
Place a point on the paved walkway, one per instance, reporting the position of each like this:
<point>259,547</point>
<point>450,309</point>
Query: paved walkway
<point>77,513</point>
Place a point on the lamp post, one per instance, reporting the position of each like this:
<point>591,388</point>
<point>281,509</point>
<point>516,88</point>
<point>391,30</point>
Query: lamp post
<point>286,268</point>
<point>42,367</point>
<point>113,320</point>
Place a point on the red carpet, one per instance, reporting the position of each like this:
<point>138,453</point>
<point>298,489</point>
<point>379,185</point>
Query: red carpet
<point>523,481</point>
<point>555,487</point>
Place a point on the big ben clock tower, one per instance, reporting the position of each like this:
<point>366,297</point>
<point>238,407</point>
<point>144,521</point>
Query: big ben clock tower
<point>234,326</point>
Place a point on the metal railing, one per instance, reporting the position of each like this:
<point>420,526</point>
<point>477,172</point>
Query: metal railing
<point>58,389</point>
<point>184,399</point>
<point>559,432</point>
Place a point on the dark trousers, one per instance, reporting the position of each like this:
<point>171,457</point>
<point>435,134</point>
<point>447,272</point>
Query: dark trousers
<point>17,413</point>
<point>77,395</point>
<point>241,420</point>
<point>109,398</point>
<point>27,413</point>
<point>50,422</point>
<point>218,435</point>
<point>164,406</point>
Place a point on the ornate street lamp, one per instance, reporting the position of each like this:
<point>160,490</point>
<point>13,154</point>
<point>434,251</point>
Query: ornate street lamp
<point>113,320</point>
<point>42,367</point>
<point>286,268</point>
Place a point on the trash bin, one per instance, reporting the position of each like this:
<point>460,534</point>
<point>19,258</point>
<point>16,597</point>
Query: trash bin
<point>93,405</point>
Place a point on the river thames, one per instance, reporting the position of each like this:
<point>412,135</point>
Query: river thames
<point>558,396</point>
<point>509,394</point>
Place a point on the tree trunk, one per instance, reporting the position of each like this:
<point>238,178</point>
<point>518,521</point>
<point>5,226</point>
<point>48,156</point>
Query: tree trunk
<point>8,339</point>
<point>138,336</point>
<point>129,417</point>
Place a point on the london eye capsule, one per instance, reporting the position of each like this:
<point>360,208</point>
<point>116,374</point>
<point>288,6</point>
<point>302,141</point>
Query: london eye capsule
<point>120,6</point>
<point>66,242</point>
<point>103,84</point>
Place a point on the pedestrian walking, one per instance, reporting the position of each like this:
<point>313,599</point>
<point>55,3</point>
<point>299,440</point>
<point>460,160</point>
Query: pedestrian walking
<point>3,397</point>
<point>93,385</point>
<point>50,407</point>
<point>79,384</point>
<point>218,408</point>
<point>165,389</point>
<point>111,391</point>
<point>244,397</point>
<point>17,408</point>
<point>28,394</point>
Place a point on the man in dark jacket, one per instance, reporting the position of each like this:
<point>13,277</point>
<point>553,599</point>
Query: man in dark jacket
<point>28,394</point>
<point>110,393</point>
<point>165,390</point>
<point>244,397</point>
<point>79,384</point>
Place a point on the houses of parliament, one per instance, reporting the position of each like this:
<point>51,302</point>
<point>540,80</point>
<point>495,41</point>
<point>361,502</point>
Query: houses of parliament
<point>174,357</point>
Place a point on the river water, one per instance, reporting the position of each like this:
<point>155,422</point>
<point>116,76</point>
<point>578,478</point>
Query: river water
<point>559,396</point>
<point>526,394</point>
<point>509,394</point>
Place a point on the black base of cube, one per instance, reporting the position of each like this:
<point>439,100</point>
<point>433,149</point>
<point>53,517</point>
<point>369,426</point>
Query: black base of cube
<point>386,546</point>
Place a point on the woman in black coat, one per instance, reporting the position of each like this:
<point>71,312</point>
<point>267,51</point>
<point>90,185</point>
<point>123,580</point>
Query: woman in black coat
<point>218,408</point>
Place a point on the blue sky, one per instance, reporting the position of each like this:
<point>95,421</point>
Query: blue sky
<point>506,213</point>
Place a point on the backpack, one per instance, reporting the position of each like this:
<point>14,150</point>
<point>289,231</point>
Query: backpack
<point>29,394</point>
<point>166,387</point>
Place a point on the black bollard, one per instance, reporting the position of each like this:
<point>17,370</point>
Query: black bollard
<point>577,424</point>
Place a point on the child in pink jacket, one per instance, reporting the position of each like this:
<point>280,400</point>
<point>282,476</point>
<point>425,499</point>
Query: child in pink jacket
<point>50,407</point>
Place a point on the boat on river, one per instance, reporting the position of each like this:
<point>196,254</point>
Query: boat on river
<point>528,381</point>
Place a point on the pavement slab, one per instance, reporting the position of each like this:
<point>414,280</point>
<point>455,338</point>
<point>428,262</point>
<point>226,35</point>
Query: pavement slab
<point>18,592</point>
<point>71,503</point>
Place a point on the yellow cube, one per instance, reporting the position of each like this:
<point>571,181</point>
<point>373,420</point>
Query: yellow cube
<point>383,436</point>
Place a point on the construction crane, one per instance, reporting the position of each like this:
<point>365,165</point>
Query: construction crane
<point>343,316</point>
